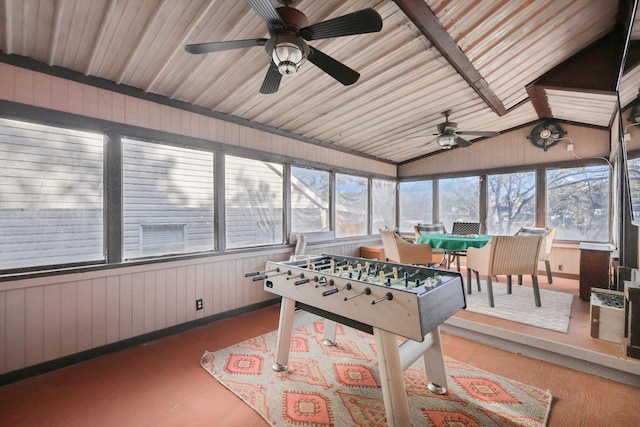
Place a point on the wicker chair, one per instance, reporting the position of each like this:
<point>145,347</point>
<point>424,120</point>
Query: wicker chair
<point>438,228</point>
<point>545,251</point>
<point>398,250</point>
<point>506,255</point>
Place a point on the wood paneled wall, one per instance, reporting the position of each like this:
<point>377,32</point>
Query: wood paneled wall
<point>46,318</point>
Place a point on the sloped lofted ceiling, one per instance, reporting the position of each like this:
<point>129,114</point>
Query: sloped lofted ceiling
<point>496,64</point>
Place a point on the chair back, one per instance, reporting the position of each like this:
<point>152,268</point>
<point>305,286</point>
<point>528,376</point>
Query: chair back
<point>547,241</point>
<point>463,227</point>
<point>429,229</point>
<point>391,251</point>
<point>515,255</point>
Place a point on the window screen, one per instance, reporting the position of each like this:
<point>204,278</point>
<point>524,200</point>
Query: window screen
<point>167,199</point>
<point>254,202</point>
<point>51,195</point>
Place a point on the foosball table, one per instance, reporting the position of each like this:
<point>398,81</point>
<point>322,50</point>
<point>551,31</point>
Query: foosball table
<point>381,298</point>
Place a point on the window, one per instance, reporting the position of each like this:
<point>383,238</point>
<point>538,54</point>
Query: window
<point>351,205</point>
<point>633,176</point>
<point>254,202</point>
<point>383,204</point>
<point>578,203</point>
<point>459,200</point>
<point>309,200</point>
<point>167,199</point>
<point>416,204</point>
<point>51,193</point>
<point>512,202</point>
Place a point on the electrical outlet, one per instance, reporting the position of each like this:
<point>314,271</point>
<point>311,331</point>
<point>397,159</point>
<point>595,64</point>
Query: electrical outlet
<point>560,267</point>
<point>199,304</point>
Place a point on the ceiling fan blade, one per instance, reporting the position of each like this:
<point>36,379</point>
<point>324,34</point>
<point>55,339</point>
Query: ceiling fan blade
<point>271,82</point>
<point>478,133</point>
<point>210,47</point>
<point>335,69</point>
<point>461,142</point>
<point>431,141</point>
<point>361,22</point>
<point>268,13</point>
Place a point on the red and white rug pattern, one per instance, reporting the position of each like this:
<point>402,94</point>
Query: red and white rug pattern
<point>340,386</point>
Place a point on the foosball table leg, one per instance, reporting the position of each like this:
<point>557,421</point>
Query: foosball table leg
<point>330,329</point>
<point>285,328</point>
<point>391,377</point>
<point>434,364</point>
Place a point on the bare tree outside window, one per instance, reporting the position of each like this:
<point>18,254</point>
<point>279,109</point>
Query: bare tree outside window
<point>309,200</point>
<point>459,200</point>
<point>578,203</point>
<point>254,206</point>
<point>512,202</point>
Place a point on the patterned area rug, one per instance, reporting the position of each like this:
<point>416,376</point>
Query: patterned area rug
<point>340,386</point>
<point>554,314</point>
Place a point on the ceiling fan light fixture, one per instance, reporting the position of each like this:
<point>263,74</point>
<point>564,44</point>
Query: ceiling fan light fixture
<point>447,141</point>
<point>288,54</point>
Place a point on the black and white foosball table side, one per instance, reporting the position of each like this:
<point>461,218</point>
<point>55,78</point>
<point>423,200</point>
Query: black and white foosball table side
<point>381,298</point>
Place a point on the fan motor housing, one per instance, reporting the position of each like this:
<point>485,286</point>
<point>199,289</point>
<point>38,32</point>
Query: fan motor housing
<point>293,18</point>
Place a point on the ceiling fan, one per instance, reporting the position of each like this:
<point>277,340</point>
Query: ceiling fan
<point>287,46</point>
<point>448,134</point>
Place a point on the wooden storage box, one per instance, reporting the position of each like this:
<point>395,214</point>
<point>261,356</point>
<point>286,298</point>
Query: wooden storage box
<point>607,315</point>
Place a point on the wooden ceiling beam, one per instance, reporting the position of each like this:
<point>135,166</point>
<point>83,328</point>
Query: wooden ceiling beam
<point>425,20</point>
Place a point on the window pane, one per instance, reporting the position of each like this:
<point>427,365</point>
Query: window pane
<point>416,204</point>
<point>254,205</point>
<point>512,202</point>
<point>459,200</point>
<point>309,200</point>
<point>578,203</point>
<point>167,199</point>
<point>351,205</point>
<point>51,192</point>
<point>383,206</point>
<point>633,170</point>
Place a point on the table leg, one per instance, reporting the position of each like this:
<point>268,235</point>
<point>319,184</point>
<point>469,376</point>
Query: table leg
<point>434,364</point>
<point>391,377</point>
<point>330,329</point>
<point>285,328</point>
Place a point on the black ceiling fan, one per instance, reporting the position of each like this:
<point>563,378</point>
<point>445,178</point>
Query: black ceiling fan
<point>448,134</point>
<point>287,46</point>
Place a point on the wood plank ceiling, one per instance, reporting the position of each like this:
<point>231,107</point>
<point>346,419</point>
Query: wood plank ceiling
<point>496,64</point>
